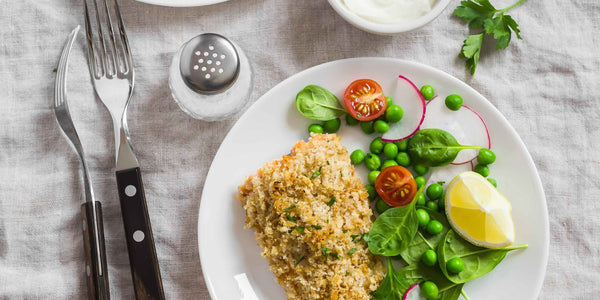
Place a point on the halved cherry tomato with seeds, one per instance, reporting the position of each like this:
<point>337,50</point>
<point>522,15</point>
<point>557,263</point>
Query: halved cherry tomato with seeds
<point>364,100</point>
<point>396,186</point>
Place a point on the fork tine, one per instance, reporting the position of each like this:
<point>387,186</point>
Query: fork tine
<point>61,72</point>
<point>104,56</point>
<point>114,58</point>
<point>94,66</point>
<point>127,61</point>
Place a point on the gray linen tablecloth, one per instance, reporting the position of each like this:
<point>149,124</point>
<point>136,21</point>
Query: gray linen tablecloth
<point>547,85</point>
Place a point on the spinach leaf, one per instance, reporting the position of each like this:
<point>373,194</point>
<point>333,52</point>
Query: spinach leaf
<point>452,293</point>
<point>317,103</point>
<point>424,241</point>
<point>395,283</point>
<point>393,230</point>
<point>434,147</point>
<point>478,261</point>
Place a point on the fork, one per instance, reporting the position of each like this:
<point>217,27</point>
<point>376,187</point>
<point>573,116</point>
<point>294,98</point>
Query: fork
<point>91,210</point>
<point>112,75</point>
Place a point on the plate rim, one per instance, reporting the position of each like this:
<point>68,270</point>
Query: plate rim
<point>266,96</point>
<point>188,3</point>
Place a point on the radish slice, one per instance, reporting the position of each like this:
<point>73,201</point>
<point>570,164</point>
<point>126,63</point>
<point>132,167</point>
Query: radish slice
<point>413,293</point>
<point>465,125</point>
<point>406,95</point>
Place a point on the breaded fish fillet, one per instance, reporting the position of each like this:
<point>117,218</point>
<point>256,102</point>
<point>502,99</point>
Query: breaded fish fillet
<point>310,211</point>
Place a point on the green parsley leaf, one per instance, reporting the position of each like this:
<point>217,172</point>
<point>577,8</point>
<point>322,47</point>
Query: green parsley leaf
<point>317,227</point>
<point>335,255</point>
<point>494,22</point>
<point>354,236</point>
<point>331,202</point>
<point>300,229</point>
<point>54,70</point>
<point>290,218</point>
<point>471,49</point>
<point>315,174</point>
<point>325,252</point>
<point>352,251</point>
<point>475,13</point>
<point>289,208</point>
<point>300,260</point>
<point>345,230</point>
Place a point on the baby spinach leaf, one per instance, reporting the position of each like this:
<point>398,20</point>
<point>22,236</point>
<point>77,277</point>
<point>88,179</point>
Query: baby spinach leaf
<point>393,286</point>
<point>317,103</point>
<point>393,230</point>
<point>434,147</point>
<point>424,241</point>
<point>478,261</point>
<point>395,283</point>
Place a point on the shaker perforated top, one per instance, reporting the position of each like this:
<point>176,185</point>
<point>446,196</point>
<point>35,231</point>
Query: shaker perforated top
<point>209,63</point>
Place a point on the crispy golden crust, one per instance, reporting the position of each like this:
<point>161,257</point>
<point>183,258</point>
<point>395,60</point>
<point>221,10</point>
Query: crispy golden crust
<point>313,243</point>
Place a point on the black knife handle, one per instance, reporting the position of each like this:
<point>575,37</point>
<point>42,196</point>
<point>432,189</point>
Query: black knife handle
<point>140,243</point>
<point>93,243</point>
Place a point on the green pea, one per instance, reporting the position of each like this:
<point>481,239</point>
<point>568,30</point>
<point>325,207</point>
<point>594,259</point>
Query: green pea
<point>381,206</point>
<point>372,192</point>
<point>420,199</point>
<point>402,144</point>
<point>390,150</point>
<point>381,126</point>
<point>373,176</point>
<point>455,265</point>
<point>434,191</point>
<point>427,92</point>
<point>357,157</point>
<point>389,101</point>
<point>377,145</point>
<point>367,127</point>
<point>388,163</point>
<point>442,202</point>
<point>316,128</point>
<point>486,157</point>
<point>403,159</point>
<point>421,170</point>
<point>422,217</point>
<point>454,102</point>
<point>432,205</point>
<point>429,258</point>
<point>332,126</point>
<point>350,120</point>
<point>393,113</point>
<point>429,290</point>
<point>420,180</point>
<point>493,182</point>
<point>372,162</point>
<point>435,227</point>
<point>484,170</point>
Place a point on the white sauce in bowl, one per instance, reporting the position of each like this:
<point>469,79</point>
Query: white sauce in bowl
<point>389,11</point>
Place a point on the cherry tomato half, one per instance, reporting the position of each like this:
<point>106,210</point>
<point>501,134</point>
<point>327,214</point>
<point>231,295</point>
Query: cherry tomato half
<point>396,186</point>
<point>364,100</point>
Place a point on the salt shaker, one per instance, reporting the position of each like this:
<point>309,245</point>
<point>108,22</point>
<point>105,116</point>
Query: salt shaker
<point>210,77</point>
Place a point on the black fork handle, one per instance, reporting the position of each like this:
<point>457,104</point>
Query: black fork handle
<point>140,242</point>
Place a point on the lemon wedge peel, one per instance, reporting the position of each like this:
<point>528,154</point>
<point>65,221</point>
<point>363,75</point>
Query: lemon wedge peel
<point>478,212</point>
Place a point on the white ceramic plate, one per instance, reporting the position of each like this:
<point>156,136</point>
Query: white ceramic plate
<point>182,3</point>
<point>230,256</point>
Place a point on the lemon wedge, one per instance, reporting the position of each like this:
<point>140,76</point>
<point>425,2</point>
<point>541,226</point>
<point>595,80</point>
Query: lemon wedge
<point>478,212</point>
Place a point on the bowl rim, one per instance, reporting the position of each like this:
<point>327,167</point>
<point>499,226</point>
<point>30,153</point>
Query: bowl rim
<point>387,29</point>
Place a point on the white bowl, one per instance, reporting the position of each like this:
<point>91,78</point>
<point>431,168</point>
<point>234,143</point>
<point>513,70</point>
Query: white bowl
<point>387,29</point>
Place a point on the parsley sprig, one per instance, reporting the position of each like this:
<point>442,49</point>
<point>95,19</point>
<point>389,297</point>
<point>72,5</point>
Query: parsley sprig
<point>494,22</point>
